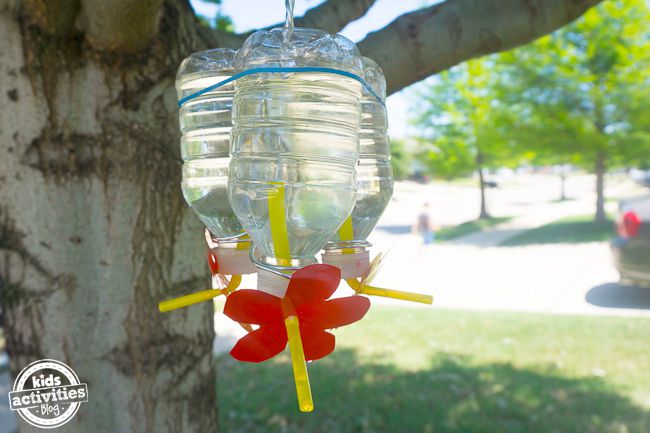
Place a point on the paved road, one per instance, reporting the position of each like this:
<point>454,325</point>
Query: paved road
<point>473,272</point>
<point>556,278</point>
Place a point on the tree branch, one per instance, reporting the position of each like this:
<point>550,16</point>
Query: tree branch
<point>331,16</point>
<point>421,43</point>
<point>120,25</point>
<point>52,16</point>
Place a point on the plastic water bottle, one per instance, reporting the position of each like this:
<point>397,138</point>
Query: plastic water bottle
<point>205,123</point>
<point>294,144</point>
<point>348,247</point>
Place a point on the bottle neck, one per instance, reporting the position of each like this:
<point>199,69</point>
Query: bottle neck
<point>233,261</point>
<point>271,283</point>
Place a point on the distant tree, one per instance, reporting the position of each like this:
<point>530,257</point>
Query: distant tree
<point>460,129</point>
<point>581,94</point>
<point>542,138</point>
<point>219,21</point>
<point>401,159</point>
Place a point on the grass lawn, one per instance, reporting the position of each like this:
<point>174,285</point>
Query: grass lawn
<point>574,229</point>
<point>418,370</point>
<point>468,227</point>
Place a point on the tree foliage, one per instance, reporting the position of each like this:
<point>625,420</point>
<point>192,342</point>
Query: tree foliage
<point>401,160</point>
<point>461,128</point>
<point>580,94</point>
<point>576,96</point>
<point>582,89</point>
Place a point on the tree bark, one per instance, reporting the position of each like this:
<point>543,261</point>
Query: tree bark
<point>600,169</point>
<point>94,231</point>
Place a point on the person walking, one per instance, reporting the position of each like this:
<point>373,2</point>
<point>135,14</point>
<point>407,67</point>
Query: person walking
<point>424,226</point>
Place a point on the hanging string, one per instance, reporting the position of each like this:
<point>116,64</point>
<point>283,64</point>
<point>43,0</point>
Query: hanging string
<point>288,21</point>
<point>287,69</point>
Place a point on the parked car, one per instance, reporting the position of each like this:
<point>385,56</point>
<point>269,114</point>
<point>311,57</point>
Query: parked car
<point>641,176</point>
<point>631,246</point>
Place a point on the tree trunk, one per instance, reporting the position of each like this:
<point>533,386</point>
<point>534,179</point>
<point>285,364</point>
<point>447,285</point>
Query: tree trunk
<point>562,184</point>
<point>94,231</point>
<point>481,183</point>
<point>601,167</point>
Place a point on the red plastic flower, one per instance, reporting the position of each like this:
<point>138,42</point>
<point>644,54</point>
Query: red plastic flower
<point>307,298</point>
<point>212,262</point>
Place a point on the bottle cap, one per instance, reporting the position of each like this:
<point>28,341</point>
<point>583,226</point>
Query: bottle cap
<point>234,262</point>
<point>297,47</point>
<point>352,265</point>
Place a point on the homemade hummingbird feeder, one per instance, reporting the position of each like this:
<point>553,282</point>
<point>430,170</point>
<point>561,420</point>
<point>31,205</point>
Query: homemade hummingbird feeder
<point>286,154</point>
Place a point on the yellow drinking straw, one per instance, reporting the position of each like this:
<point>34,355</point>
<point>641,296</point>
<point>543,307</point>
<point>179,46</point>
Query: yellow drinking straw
<point>346,233</point>
<point>388,293</point>
<point>195,298</point>
<point>278,221</point>
<point>280,238</point>
<point>300,376</point>
<point>243,245</point>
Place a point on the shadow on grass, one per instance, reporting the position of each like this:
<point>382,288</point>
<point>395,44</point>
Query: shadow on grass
<point>453,232</point>
<point>614,295</point>
<point>469,227</point>
<point>452,395</point>
<point>395,229</point>
<point>569,230</point>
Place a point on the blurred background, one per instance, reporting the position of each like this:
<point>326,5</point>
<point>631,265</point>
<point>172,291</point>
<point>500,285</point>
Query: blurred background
<point>533,168</point>
<point>534,164</point>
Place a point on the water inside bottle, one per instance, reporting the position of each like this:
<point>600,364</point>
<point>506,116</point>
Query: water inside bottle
<point>204,187</point>
<point>295,141</point>
<point>295,132</point>
<point>374,173</point>
<point>374,190</point>
<point>206,121</point>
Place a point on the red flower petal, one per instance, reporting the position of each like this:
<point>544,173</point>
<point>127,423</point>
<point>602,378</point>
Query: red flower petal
<point>253,306</point>
<point>313,284</point>
<point>262,344</point>
<point>335,312</point>
<point>316,343</point>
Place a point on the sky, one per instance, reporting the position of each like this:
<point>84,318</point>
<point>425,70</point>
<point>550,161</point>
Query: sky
<point>253,14</point>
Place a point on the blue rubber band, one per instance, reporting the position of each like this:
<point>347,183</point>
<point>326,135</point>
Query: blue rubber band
<point>280,70</point>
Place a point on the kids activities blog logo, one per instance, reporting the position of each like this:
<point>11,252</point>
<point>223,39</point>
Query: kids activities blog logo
<point>47,394</point>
